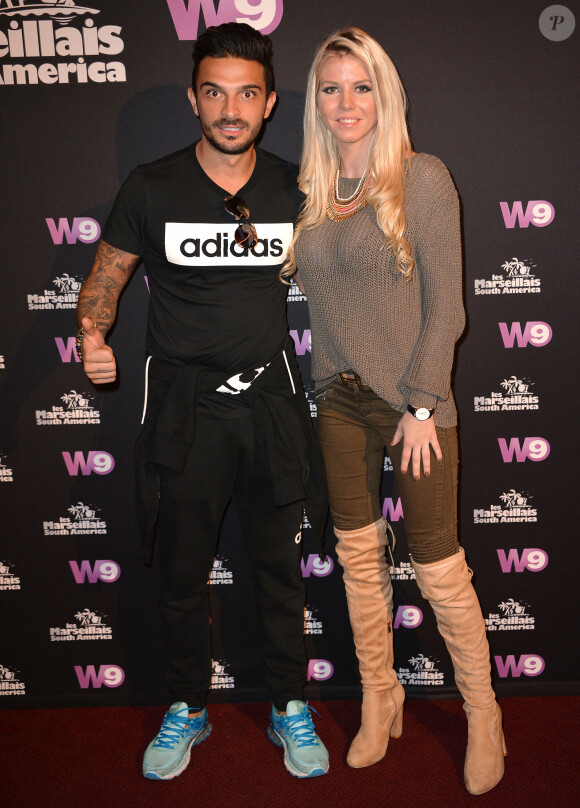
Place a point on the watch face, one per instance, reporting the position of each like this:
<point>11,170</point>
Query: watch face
<point>422,413</point>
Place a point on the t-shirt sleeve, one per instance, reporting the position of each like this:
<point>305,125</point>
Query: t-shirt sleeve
<point>125,225</point>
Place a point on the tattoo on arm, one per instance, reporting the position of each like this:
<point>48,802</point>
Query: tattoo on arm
<point>100,292</point>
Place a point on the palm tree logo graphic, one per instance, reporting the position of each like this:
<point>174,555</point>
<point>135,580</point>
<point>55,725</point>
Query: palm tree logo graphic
<point>422,663</point>
<point>75,401</point>
<point>88,618</point>
<point>511,607</point>
<point>514,385</point>
<point>81,511</point>
<point>512,498</point>
<point>67,283</point>
<point>515,267</point>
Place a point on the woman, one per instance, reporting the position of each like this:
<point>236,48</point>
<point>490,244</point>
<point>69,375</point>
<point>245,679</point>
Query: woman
<point>379,256</point>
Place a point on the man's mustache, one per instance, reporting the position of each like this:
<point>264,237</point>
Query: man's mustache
<point>231,122</point>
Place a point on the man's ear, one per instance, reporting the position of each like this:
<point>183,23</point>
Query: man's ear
<point>270,104</point>
<point>192,100</point>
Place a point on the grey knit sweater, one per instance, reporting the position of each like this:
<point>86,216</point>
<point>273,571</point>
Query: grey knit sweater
<point>398,335</point>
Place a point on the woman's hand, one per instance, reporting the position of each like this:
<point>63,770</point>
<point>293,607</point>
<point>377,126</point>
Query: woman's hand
<point>418,437</point>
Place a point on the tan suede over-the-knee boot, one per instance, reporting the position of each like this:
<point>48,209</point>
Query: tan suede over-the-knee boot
<point>447,586</point>
<point>369,595</point>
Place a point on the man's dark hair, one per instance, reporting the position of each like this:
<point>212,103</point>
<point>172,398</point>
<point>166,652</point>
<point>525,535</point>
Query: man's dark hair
<point>234,39</point>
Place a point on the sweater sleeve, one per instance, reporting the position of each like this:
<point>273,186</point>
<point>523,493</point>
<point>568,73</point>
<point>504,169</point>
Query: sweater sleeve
<point>437,248</point>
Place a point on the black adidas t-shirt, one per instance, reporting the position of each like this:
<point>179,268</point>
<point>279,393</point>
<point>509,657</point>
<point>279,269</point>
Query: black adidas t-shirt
<point>211,301</point>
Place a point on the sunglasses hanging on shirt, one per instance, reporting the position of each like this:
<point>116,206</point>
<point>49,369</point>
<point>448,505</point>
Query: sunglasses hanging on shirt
<point>245,234</point>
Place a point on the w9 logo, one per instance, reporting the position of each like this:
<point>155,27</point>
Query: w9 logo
<point>103,570</point>
<point>97,462</point>
<point>302,343</point>
<point>408,617</point>
<point>67,351</point>
<point>108,675</point>
<point>264,15</point>
<point>538,212</point>
<point>536,449</point>
<point>393,511</point>
<point>319,669</point>
<point>314,565</point>
<point>528,664</point>
<point>85,230</point>
<point>531,558</point>
<point>536,333</point>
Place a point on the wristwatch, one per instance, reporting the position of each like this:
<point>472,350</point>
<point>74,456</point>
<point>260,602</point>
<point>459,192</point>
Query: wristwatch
<point>420,413</point>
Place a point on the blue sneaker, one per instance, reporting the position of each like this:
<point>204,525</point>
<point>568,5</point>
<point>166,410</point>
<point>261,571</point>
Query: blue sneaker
<point>168,753</point>
<point>304,753</point>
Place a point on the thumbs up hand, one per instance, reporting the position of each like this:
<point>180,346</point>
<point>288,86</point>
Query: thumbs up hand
<point>98,358</point>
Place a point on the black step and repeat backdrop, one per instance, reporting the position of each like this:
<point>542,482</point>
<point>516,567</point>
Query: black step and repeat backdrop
<point>89,92</point>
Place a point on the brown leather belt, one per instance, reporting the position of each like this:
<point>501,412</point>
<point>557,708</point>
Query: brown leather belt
<point>349,377</point>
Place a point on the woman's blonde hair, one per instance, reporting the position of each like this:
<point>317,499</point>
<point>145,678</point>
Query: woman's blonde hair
<point>389,147</point>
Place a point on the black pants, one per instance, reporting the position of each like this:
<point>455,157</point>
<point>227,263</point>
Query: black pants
<point>222,465</point>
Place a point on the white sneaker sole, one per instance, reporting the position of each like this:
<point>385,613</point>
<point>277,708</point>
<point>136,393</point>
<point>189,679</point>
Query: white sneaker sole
<point>276,738</point>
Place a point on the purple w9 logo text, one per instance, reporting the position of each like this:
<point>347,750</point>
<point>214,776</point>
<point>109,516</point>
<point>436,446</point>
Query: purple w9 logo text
<point>85,230</point>
<point>97,462</point>
<point>264,15</point>
<point>536,333</point>
<point>67,351</point>
<point>536,449</point>
<point>393,511</point>
<point>538,212</point>
<point>102,570</point>
<point>531,558</point>
<point>108,675</point>
<point>408,617</point>
<point>303,343</point>
<point>528,664</point>
<point>314,565</point>
<point>320,669</point>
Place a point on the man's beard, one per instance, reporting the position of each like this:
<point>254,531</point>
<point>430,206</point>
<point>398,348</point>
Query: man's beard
<point>235,146</point>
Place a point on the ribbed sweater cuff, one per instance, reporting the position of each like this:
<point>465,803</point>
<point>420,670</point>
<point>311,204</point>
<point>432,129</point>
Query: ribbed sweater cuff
<point>420,399</point>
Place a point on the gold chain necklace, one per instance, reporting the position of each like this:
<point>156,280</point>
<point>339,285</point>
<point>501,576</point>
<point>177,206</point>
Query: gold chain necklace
<point>338,208</point>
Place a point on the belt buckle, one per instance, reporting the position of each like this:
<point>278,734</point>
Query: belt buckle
<point>351,378</point>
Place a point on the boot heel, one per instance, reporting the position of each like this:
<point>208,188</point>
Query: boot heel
<point>397,725</point>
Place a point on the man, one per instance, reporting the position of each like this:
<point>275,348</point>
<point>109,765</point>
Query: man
<point>225,413</point>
